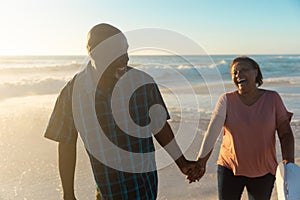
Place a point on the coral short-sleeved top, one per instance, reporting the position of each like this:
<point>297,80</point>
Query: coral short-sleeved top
<point>248,146</point>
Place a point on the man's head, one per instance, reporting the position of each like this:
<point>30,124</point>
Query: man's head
<point>107,47</point>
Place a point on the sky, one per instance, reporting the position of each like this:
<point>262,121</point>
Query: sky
<point>60,27</point>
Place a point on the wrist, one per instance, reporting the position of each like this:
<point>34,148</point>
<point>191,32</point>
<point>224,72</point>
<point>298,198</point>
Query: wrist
<point>181,161</point>
<point>286,161</point>
<point>69,197</point>
<point>202,161</point>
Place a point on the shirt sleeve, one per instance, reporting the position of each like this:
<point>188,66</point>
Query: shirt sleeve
<point>156,98</point>
<point>61,126</point>
<point>156,109</point>
<point>215,127</point>
<point>221,106</point>
<point>282,113</point>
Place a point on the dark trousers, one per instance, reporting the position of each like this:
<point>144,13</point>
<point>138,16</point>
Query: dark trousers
<point>231,187</point>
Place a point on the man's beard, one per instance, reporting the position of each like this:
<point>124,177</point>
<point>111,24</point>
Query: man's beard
<point>120,72</point>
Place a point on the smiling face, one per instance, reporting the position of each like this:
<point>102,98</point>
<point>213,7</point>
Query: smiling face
<point>244,77</point>
<point>107,47</point>
<point>118,67</point>
<point>111,55</point>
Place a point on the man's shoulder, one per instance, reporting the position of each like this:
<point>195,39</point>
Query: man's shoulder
<point>140,73</point>
<point>137,70</point>
<point>66,91</point>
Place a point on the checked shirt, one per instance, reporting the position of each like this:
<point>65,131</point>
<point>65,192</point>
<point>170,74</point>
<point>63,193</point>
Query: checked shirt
<point>114,183</point>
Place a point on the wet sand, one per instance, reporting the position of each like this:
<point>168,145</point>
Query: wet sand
<point>28,161</point>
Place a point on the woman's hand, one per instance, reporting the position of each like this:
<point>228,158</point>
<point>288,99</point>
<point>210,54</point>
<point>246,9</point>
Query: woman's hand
<point>198,171</point>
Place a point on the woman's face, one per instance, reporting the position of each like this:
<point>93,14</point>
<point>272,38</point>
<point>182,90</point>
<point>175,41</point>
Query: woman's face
<point>243,76</point>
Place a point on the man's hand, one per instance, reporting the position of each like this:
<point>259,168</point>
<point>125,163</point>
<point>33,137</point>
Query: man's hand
<point>187,167</point>
<point>196,173</point>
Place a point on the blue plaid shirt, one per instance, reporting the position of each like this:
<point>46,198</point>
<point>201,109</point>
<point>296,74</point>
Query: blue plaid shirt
<point>113,183</point>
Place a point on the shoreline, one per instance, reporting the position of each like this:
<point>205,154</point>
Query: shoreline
<point>28,161</point>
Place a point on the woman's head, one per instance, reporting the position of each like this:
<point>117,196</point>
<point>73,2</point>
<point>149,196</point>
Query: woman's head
<point>246,64</point>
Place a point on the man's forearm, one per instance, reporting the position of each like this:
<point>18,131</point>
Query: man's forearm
<point>67,162</point>
<point>167,140</point>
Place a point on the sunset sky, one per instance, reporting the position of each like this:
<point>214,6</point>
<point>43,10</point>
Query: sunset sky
<point>56,27</point>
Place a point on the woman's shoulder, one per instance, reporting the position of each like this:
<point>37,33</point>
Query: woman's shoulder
<point>271,96</point>
<point>271,93</point>
<point>227,96</point>
<point>230,94</point>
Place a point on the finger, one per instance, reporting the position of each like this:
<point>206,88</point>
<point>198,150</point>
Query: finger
<point>196,172</point>
<point>191,181</point>
<point>196,176</point>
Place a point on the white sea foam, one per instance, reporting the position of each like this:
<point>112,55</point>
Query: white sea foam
<point>31,87</point>
<point>28,168</point>
<point>24,76</point>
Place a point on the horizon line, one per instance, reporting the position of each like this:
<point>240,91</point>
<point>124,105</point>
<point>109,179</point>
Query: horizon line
<point>217,54</point>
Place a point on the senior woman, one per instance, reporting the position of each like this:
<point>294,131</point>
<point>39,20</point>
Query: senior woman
<point>250,117</point>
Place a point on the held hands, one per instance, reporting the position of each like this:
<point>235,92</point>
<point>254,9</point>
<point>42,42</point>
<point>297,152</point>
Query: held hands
<point>194,170</point>
<point>197,173</point>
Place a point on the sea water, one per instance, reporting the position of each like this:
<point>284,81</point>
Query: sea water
<point>189,84</point>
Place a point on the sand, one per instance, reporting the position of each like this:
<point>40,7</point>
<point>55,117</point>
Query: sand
<point>28,161</point>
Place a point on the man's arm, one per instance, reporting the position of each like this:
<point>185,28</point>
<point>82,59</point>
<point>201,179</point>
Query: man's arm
<point>198,172</point>
<point>67,162</point>
<point>165,138</point>
<point>287,143</point>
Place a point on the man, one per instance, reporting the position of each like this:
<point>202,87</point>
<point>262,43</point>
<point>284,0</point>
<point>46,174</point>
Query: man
<point>129,109</point>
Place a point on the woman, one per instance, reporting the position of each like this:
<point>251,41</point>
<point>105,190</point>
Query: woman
<point>250,117</point>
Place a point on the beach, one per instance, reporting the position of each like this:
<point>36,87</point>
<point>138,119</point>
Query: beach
<point>28,161</point>
<point>29,168</point>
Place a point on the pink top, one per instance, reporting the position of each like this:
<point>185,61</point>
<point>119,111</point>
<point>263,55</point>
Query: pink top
<point>248,146</point>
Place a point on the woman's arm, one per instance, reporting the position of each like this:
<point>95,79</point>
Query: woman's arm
<point>287,142</point>
<point>211,135</point>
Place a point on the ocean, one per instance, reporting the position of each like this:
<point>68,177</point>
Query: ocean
<point>190,86</point>
<point>194,81</point>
